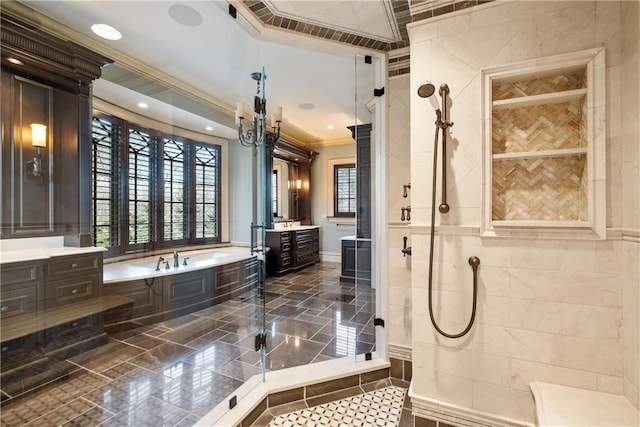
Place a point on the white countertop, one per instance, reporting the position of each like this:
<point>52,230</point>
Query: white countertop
<point>294,228</point>
<point>34,254</point>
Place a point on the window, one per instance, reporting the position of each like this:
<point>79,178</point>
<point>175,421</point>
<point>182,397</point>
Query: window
<point>106,191</point>
<point>147,203</point>
<point>207,192</point>
<point>140,147</point>
<point>175,212</point>
<point>344,181</point>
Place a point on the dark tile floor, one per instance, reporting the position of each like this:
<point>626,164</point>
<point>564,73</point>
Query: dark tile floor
<point>173,372</point>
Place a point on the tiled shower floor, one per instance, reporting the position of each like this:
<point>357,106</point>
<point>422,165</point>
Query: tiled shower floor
<point>174,372</point>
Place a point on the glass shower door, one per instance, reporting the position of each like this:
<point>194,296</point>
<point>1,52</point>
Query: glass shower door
<point>365,130</point>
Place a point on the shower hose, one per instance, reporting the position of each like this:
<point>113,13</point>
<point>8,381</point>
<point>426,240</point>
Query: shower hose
<point>474,261</point>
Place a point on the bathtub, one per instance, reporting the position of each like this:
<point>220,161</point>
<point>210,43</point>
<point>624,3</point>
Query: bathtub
<point>145,268</point>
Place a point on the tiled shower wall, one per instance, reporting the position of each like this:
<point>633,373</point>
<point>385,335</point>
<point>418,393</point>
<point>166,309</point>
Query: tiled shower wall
<point>629,148</point>
<point>399,174</point>
<point>555,310</point>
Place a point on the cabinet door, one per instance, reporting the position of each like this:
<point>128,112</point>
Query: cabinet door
<point>187,289</point>
<point>145,296</point>
<point>227,281</point>
<point>59,267</point>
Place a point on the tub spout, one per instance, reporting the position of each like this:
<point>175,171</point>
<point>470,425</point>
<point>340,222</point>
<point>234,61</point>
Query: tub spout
<point>160,259</point>
<point>176,262</point>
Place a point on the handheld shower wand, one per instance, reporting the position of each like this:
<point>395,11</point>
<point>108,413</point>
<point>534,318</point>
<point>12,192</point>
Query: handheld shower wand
<point>427,90</point>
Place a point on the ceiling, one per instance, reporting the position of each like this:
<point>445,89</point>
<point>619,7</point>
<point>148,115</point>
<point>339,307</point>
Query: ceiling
<point>191,61</point>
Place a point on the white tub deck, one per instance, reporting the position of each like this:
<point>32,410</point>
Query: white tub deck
<point>142,268</point>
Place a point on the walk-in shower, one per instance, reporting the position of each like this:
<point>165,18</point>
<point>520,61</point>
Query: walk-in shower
<point>427,90</point>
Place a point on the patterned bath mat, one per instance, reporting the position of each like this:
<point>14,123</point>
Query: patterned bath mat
<point>372,409</point>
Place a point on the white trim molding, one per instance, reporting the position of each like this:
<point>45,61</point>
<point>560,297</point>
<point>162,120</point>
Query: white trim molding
<point>433,409</point>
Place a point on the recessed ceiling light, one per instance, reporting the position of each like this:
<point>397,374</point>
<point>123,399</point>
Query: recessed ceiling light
<point>15,61</point>
<point>330,127</point>
<point>106,31</point>
<point>143,105</point>
<point>209,128</point>
<point>185,15</point>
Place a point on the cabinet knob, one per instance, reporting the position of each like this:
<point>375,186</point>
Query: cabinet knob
<point>4,308</point>
<point>74,291</point>
<point>74,324</point>
<point>5,348</point>
<point>74,265</point>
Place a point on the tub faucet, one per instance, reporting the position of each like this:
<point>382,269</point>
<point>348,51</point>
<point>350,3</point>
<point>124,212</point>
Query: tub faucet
<point>176,263</point>
<point>158,264</point>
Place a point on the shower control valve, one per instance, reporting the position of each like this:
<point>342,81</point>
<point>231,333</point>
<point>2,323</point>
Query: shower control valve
<point>405,188</point>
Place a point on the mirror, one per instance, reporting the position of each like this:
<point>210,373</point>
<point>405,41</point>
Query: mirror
<point>290,172</point>
<point>284,186</point>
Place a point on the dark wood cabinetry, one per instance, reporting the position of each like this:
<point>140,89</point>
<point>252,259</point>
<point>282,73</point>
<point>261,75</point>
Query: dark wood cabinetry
<point>21,285</point>
<point>292,250</point>
<point>356,260</point>
<point>51,309</point>
<point>356,252</point>
<point>49,84</point>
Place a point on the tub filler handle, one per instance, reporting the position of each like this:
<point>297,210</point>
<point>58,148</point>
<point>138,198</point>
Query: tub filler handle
<point>184,261</point>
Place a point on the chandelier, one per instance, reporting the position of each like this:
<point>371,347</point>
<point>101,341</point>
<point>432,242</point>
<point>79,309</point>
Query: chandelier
<point>256,134</point>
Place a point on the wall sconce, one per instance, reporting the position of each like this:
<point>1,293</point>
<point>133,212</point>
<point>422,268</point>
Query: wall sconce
<point>39,140</point>
<point>299,184</point>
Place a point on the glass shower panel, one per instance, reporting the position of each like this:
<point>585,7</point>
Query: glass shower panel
<point>367,96</point>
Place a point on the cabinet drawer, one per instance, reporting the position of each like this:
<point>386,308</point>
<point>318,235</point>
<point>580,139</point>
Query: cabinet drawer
<point>285,236</point>
<point>75,329</point>
<point>286,247</point>
<point>305,245</point>
<point>304,235</point>
<point>20,300</point>
<point>64,266</point>
<point>304,257</point>
<point>65,291</point>
<point>19,273</point>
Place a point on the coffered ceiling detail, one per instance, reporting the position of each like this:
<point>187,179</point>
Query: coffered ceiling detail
<point>375,24</point>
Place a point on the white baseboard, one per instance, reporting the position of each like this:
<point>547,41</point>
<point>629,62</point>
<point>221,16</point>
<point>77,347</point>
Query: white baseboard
<point>330,257</point>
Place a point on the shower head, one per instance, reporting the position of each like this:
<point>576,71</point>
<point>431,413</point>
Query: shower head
<point>428,90</point>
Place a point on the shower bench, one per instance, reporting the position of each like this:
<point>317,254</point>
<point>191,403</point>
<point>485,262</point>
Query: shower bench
<point>558,405</point>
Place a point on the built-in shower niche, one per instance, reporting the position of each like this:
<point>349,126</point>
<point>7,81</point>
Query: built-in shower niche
<point>541,142</point>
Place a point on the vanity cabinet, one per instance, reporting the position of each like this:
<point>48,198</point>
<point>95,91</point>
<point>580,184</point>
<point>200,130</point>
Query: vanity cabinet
<point>356,260</point>
<point>292,250</point>
<point>51,309</point>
